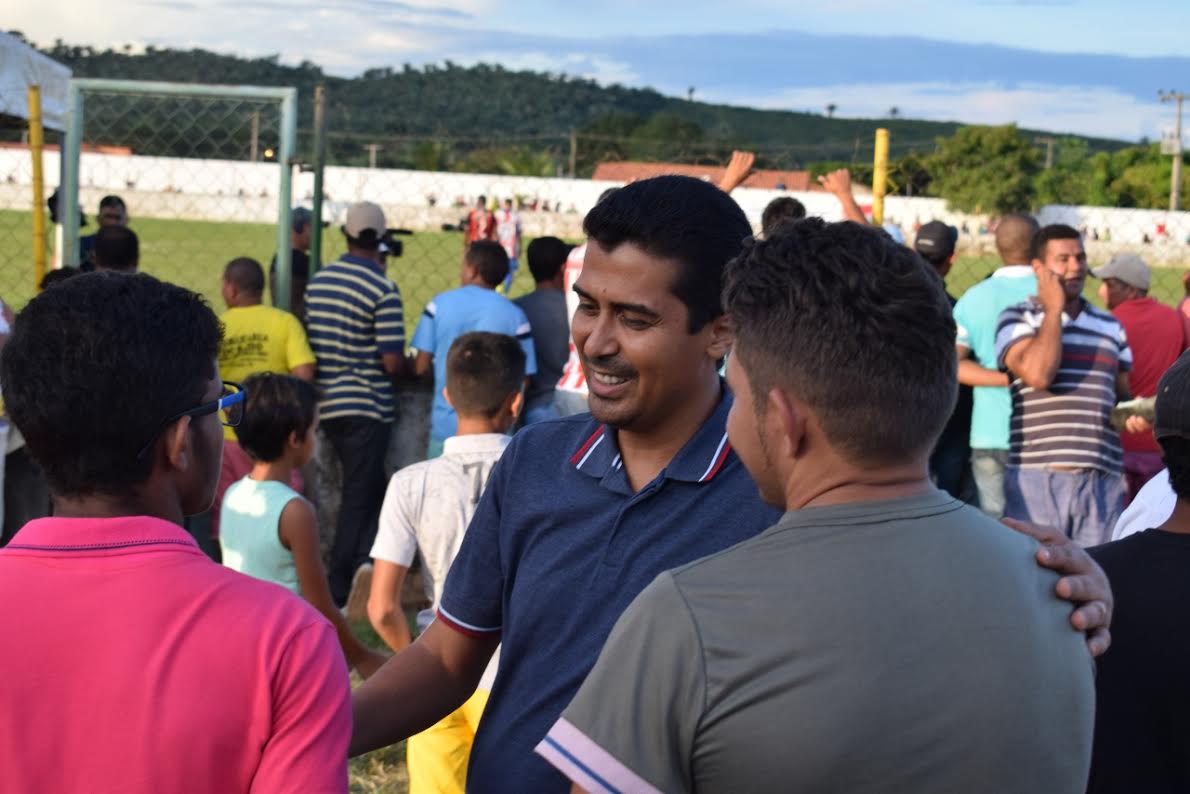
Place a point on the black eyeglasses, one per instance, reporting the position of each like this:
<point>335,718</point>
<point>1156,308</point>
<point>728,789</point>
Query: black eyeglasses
<point>231,403</point>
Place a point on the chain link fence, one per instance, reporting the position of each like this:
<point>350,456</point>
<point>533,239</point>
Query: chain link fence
<point>199,177</point>
<point>197,173</point>
<point>17,280</point>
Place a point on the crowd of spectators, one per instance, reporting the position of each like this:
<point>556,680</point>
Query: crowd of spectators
<point>702,510</point>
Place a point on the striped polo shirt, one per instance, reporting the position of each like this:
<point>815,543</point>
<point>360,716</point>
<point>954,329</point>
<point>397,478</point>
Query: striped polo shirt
<point>1067,425</point>
<point>353,315</point>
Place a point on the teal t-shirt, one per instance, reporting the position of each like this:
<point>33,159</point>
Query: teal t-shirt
<point>248,531</point>
<point>977,314</point>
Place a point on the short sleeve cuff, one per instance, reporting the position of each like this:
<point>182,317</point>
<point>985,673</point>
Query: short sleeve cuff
<point>397,346</point>
<point>465,627</point>
<point>397,556</point>
<point>579,758</point>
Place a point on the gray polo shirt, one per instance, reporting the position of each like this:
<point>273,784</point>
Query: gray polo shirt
<point>904,645</point>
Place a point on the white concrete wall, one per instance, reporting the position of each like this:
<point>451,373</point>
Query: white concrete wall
<point>226,190</point>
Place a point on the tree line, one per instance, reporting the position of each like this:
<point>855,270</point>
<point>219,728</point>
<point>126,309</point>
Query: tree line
<point>489,119</point>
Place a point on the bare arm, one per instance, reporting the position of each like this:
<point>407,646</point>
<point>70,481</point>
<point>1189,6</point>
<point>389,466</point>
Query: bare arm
<point>737,170</point>
<point>972,374</point>
<point>838,183</point>
<point>384,604</point>
<point>395,364</point>
<point>305,372</point>
<point>298,530</point>
<point>423,364</point>
<point>419,686</point>
<point>1123,390</point>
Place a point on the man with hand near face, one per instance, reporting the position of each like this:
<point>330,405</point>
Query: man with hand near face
<point>1068,362</point>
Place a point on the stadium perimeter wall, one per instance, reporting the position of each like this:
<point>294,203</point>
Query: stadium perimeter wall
<point>180,188</point>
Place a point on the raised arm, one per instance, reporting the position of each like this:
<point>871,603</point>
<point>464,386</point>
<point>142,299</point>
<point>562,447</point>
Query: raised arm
<point>737,170</point>
<point>1035,360</point>
<point>838,183</point>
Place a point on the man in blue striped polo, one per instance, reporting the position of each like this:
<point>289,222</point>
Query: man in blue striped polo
<point>356,327</point>
<point>1068,363</point>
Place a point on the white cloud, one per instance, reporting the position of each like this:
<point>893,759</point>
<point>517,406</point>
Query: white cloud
<point>1088,110</point>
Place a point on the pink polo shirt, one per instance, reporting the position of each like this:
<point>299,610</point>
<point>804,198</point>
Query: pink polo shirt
<point>130,662</point>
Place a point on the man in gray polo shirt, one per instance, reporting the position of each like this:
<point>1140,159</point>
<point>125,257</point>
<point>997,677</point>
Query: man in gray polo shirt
<point>881,636</point>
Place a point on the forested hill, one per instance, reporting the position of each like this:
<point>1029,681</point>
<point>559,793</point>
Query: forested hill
<point>534,112</point>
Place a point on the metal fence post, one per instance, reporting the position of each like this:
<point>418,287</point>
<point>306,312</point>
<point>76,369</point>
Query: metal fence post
<point>68,202</point>
<point>319,164</point>
<point>36,145</point>
<point>285,157</point>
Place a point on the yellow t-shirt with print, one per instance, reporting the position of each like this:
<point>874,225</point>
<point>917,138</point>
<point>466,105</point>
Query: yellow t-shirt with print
<point>260,339</point>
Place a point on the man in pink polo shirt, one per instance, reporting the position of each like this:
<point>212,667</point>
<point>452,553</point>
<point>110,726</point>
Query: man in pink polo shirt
<point>132,662</point>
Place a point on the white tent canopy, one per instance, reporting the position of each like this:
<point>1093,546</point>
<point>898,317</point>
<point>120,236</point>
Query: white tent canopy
<point>22,66</point>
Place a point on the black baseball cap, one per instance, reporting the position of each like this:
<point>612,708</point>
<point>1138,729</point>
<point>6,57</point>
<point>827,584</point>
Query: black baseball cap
<point>936,239</point>
<point>1173,401</point>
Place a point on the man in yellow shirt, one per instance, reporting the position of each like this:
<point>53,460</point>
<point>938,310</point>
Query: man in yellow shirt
<point>256,338</point>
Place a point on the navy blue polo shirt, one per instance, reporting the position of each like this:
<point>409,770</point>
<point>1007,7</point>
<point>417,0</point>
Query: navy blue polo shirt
<point>558,548</point>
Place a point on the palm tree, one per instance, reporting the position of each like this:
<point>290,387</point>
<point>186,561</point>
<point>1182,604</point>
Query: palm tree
<point>830,110</point>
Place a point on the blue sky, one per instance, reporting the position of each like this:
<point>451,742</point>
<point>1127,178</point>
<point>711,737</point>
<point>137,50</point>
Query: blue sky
<point>1088,66</point>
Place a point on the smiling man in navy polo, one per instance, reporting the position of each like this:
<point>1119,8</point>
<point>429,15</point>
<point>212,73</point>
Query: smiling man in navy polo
<point>582,513</point>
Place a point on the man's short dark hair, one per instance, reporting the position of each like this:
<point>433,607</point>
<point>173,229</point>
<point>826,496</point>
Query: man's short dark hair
<point>112,201</point>
<point>246,274</point>
<point>680,218</point>
<point>1055,231</point>
<point>489,259</point>
<point>276,406</point>
<point>1176,453</point>
<point>547,256</point>
<point>1014,237</point>
<point>780,210</point>
<point>482,370</point>
<point>367,241</point>
<point>58,275</point>
<point>116,248</point>
<point>95,366</point>
<point>856,326</point>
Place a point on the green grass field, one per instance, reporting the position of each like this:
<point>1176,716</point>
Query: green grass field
<point>193,253</point>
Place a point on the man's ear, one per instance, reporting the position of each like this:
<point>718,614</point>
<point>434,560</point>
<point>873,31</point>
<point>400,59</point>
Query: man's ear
<point>178,449</point>
<point>446,396</point>
<point>788,418</point>
<point>516,403</point>
<point>721,338</point>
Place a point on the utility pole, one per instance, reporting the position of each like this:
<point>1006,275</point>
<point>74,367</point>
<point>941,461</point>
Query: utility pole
<point>573,152</point>
<point>254,150</point>
<point>1175,184</point>
<point>1049,142</point>
<point>372,149</point>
